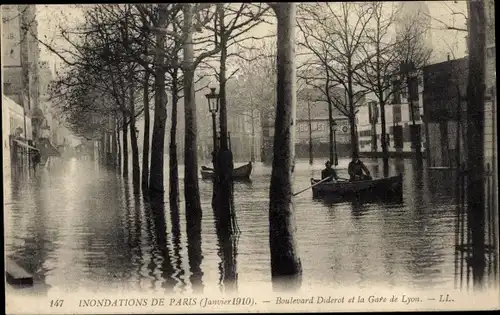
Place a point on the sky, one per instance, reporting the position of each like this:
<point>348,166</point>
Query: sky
<point>443,13</point>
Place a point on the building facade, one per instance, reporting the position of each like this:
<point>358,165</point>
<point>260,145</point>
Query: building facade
<point>20,94</point>
<point>20,53</point>
<point>490,112</point>
<point>445,110</point>
<point>312,109</point>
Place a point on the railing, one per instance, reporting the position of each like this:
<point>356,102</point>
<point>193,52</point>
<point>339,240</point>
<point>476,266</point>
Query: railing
<point>463,241</point>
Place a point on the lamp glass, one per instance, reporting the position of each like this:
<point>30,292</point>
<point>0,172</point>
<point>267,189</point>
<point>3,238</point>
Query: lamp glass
<point>334,125</point>
<point>213,101</point>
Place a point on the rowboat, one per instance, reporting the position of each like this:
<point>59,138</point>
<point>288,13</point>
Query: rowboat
<point>388,187</point>
<point>240,173</point>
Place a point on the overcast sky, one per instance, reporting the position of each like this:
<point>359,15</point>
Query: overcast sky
<point>451,13</point>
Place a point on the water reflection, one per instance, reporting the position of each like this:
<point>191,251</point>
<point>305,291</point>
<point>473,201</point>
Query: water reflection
<point>82,227</point>
<point>176,245</point>
<point>193,231</point>
<point>161,253</point>
<point>227,240</point>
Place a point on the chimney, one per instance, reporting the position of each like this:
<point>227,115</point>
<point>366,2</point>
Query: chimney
<point>448,56</point>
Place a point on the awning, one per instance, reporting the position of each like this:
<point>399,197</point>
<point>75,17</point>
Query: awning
<point>25,145</point>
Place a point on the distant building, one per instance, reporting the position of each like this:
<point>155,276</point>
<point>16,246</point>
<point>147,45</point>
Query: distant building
<point>20,62</point>
<point>311,105</point>
<point>444,106</point>
<point>402,111</point>
<point>490,123</point>
<point>20,86</point>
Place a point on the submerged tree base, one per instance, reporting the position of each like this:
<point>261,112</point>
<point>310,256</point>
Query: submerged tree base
<point>287,284</point>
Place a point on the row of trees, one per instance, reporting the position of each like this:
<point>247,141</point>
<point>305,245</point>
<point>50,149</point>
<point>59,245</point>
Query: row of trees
<point>360,49</point>
<point>123,56</point>
<point>346,51</point>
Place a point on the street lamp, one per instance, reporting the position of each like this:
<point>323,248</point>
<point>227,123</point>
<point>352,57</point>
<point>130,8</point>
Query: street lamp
<point>213,107</point>
<point>334,128</point>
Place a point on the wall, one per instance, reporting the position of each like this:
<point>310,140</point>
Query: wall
<point>11,38</point>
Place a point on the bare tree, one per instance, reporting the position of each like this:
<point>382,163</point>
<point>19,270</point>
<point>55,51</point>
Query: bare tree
<point>384,53</point>
<point>232,23</point>
<point>285,262</point>
<point>253,93</point>
<point>333,35</point>
<point>306,95</point>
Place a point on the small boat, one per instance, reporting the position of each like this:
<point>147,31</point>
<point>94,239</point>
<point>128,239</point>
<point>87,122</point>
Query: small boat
<point>240,173</point>
<point>388,187</point>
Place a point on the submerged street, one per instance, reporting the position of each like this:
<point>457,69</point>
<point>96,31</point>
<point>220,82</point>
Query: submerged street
<point>80,226</point>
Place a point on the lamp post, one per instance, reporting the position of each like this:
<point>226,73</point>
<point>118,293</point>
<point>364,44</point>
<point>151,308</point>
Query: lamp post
<point>213,107</point>
<point>334,128</point>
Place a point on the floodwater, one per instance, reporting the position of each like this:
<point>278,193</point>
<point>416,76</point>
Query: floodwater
<point>80,227</point>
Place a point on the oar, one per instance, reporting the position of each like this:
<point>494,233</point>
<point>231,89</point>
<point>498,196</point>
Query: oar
<point>321,181</point>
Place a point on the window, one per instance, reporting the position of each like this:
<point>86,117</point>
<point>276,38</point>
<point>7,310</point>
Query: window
<point>396,96</point>
<point>413,89</point>
<point>7,87</point>
<point>12,126</point>
<point>490,52</point>
<point>396,113</point>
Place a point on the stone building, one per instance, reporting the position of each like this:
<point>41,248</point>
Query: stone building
<point>20,66</point>
<point>20,94</point>
<point>490,123</point>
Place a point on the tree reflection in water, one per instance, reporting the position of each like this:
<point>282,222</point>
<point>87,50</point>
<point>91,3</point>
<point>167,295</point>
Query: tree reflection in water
<point>227,242</point>
<point>176,244</point>
<point>157,205</point>
<point>193,230</point>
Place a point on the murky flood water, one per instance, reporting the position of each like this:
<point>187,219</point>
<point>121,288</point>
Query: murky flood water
<point>78,226</point>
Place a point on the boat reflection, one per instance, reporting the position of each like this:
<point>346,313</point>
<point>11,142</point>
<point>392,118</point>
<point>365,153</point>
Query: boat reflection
<point>359,199</point>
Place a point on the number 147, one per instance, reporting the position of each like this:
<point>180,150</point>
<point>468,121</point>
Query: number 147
<point>56,303</point>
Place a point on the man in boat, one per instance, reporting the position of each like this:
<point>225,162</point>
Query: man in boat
<point>357,170</point>
<point>329,172</point>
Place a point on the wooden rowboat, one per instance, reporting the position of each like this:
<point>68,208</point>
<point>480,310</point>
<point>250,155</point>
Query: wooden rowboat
<point>240,173</point>
<point>388,187</point>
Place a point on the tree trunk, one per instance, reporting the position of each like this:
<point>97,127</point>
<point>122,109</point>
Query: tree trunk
<point>106,148</point>
<point>145,144</point>
<point>174,171</point>
<point>310,134</point>
<point>160,114</point>
<point>125,146</point>
<point>475,139</point>
<point>114,151</point>
<point>286,267</point>
<point>119,147</point>
<point>383,140</point>
<point>224,168</point>
<point>136,172</point>
<point>191,188</point>
<point>352,120</point>
<point>252,152</point>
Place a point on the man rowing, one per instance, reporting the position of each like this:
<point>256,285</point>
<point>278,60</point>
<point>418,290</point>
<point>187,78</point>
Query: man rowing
<point>329,172</point>
<point>357,170</point>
